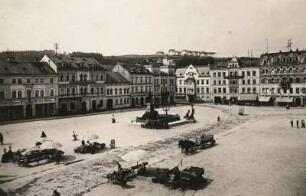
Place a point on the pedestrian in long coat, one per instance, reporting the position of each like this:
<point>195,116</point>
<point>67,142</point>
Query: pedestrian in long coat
<point>297,123</point>
<point>1,138</point>
<point>291,122</point>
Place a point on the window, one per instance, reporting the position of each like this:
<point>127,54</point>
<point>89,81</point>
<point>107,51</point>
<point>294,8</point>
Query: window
<point>243,90</point>
<point>92,91</point>
<point>73,91</point>
<point>37,93</point>
<point>85,77</point>
<point>51,92</point>
<point>14,81</point>
<point>68,91</point>
<point>249,90</point>
<point>219,74</point>
<point>243,81</point>
<point>67,78</point>
<point>42,93</point>
<point>243,73</point>
<point>254,90</point>
<point>1,80</point>
<point>254,73</point>
<point>81,77</point>
<point>249,81</point>
<point>254,81</point>
<point>1,94</point>
<point>14,96</point>
<point>51,80</point>
<point>224,90</point>
<point>19,81</point>
<point>297,91</point>
<point>41,80</point>
<point>19,94</point>
<point>248,73</point>
<point>73,77</point>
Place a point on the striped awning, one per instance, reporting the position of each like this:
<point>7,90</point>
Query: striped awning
<point>284,99</point>
<point>264,98</point>
<point>247,97</point>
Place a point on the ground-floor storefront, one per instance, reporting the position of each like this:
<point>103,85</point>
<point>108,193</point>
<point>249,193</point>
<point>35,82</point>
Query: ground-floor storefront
<point>29,110</point>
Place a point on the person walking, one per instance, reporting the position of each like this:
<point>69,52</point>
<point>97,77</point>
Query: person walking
<point>1,138</point>
<point>303,124</point>
<point>297,123</point>
<point>291,122</point>
<point>43,135</point>
<point>218,118</point>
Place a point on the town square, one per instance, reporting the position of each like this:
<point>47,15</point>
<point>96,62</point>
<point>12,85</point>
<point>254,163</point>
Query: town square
<point>162,97</point>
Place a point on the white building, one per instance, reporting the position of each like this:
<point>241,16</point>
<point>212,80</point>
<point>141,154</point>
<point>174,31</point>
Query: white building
<point>193,84</point>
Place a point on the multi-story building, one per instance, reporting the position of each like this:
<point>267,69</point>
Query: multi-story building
<point>81,83</point>
<point>141,81</point>
<point>193,84</point>
<point>164,82</point>
<point>283,78</point>
<point>235,81</point>
<point>27,89</point>
<point>249,89</point>
<point>117,91</point>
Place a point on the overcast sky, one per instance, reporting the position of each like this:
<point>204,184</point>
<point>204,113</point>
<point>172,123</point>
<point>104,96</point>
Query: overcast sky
<point>113,27</point>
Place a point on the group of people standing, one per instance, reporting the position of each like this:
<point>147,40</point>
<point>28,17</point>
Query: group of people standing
<point>298,124</point>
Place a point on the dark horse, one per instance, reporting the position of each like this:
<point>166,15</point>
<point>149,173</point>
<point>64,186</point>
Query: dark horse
<point>187,145</point>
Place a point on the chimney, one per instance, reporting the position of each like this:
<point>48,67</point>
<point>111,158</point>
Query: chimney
<point>10,59</point>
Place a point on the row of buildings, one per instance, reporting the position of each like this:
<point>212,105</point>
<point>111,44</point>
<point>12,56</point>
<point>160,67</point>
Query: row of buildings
<point>65,84</point>
<point>273,79</point>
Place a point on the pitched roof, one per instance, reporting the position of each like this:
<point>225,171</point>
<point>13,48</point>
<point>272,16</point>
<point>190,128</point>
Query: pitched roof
<point>115,78</point>
<point>203,70</point>
<point>180,72</point>
<point>66,61</point>
<point>135,69</point>
<point>25,68</point>
<point>250,63</point>
<point>108,67</point>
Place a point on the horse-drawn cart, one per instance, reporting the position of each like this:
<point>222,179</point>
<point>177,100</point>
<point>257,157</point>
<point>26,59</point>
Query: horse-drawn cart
<point>36,155</point>
<point>90,148</point>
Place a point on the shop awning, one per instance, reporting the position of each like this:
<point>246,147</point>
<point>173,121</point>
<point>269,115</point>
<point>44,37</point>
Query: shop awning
<point>248,97</point>
<point>264,98</point>
<point>284,99</point>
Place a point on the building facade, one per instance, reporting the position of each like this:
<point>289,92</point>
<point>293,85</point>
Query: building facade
<point>141,82</point>
<point>27,89</point>
<point>193,84</point>
<point>81,83</point>
<point>283,78</point>
<point>117,91</point>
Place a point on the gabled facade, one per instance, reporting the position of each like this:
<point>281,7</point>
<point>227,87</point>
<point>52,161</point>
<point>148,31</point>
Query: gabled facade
<point>141,81</point>
<point>81,83</point>
<point>193,84</point>
<point>117,91</point>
